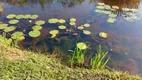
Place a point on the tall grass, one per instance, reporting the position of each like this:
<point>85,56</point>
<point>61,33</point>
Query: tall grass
<point>78,57</point>
<point>99,61</point>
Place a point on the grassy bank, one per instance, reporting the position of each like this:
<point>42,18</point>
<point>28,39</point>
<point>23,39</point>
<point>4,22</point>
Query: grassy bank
<point>22,65</point>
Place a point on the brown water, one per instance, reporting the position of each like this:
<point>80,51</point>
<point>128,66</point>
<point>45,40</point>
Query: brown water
<point>124,41</point>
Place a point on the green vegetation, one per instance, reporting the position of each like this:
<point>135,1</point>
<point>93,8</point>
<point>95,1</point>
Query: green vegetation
<point>98,62</point>
<point>19,65</point>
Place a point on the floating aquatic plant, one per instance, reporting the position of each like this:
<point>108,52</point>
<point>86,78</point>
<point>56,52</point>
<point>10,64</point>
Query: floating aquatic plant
<point>3,26</point>
<point>53,21</point>
<point>86,32</point>
<point>72,23</point>
<point>62,27</point>
<point>62,21</point>
<point>115,7</point>
<point>103,35</point>
<point>10,16</point>
<point>27,16</point>
<point>86,25</point>
<point>100,7</point>
<point>34,16</point>
<point>17,35</point>
<point>40,22</point>
<point>54,33</point>
<point>37,27</point>
<point>82,46</point>
<point>80,27</point>
<point>34,33</point>
<point>112,15</point>
<point>9,29</point>
<point>72,19</point>
<point>111,20</point>
<point>101,4</point>
<point>13,21</point>
<point>20,16</point>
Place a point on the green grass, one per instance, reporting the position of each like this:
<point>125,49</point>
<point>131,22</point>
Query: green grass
<point>22,65</point>
<point>99,62</point>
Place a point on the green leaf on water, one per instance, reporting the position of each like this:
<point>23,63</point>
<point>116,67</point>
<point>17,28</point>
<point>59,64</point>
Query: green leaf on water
<point>13,21</point>
<point>9,29</point>
<point>34,33</point>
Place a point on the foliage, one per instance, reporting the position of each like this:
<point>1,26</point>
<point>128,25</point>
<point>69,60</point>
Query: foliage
<point>78,56</point>
<point>35,66</point>
<point>99,62</point>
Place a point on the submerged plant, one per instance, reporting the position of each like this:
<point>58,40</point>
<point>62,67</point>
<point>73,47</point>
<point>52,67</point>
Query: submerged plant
<point>99,61</point>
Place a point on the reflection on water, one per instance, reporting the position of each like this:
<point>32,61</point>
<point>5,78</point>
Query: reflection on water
<point>125,38</point>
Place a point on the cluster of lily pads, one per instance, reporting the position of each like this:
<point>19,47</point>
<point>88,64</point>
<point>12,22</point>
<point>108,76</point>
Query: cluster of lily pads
<point>128,14</point>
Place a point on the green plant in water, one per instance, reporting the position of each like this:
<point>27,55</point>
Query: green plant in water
<point>78,56</point>
<point>99,61</point>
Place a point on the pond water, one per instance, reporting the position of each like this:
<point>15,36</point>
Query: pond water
<point>124,41</point>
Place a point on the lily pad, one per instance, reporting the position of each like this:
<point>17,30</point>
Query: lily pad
<point>112,15</point>
<point>86,32</point>
<point>125,9</point>
<point>34,33</point>
<point>99,11</point>
<point>22,38</point>
<point>54,32</point>
<point>101,4</point>
<point>9,29</point>
<point>3,26</point>
<point>87,25</point>
<point>62,21</point>
<point>13,21</point>
<point>20,16</point>
<point>81,46</point>
<point>62,27</point>
<point>80,27</point>
<point>107,12</point>
<point>107,7</point>
<point>36,27</point>
<point>10,16</point>
<point>111,20</point>
<point>100,7</point>
<point>17,35</point>
<point>34,16</point>
<point>53,21</point>
<point>72,23</point>
<point>115,7</point>
<point>40,22</point>
<point>72,19</point>
<point>103,35</point>
<point>27,16</point>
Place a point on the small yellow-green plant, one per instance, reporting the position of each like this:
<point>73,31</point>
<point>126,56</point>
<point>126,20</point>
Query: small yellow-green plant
<point>99,61</point>
<point>78,56</point>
